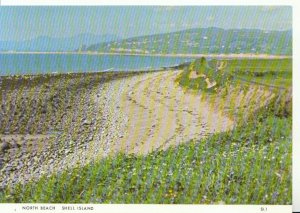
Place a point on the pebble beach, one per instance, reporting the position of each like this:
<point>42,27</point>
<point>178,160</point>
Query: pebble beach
<point>96,115</point>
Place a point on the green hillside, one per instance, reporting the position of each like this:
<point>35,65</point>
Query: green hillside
<point>202,41</point>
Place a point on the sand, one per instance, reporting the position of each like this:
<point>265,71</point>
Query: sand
<point>160,114</point>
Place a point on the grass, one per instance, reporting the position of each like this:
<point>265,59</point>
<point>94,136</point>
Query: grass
<point>274,72</point>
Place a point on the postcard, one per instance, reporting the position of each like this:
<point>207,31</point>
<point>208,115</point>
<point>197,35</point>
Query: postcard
<point>145,105</point>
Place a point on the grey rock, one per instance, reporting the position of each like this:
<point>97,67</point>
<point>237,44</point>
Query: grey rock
<point>86,122</point>
<point>5,146</point>
<point>1,163</point>
<point>15,145</point>
<point>9,168</point>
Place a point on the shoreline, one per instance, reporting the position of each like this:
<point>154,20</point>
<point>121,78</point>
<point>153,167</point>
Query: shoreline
<point>110,72</point>
<point>132,114</point>
<point>226,56</point>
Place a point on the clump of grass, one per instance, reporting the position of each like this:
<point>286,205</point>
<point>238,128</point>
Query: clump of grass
<point>207,70</point>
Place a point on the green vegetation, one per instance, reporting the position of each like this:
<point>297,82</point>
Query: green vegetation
<point>203,41</point>
<point>205,72</point>
<point>275,72</point>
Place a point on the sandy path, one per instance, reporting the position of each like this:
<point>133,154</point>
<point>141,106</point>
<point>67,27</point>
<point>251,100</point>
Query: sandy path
<point>160,114</point>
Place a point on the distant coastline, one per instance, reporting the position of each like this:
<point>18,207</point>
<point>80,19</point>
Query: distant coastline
<point>229,56</point>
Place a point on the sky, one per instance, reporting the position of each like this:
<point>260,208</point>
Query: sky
<point>23,23</point>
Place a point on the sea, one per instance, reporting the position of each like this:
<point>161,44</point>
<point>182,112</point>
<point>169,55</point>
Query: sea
<point>20,64</point>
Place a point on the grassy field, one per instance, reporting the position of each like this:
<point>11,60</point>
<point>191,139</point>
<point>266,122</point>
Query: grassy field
<point>275,72</point>
<point>249,165</point>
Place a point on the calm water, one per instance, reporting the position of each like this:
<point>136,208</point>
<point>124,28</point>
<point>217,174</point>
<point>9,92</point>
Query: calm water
<point>47,63</point>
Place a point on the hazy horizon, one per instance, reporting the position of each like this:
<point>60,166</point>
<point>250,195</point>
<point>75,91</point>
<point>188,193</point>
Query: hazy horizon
<point>25,23</point>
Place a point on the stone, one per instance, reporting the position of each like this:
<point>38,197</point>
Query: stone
<point>5,146</point>
<point>1,163</point>
<point>15,145</point>
<point>86,122</point>
<point>9,168</point>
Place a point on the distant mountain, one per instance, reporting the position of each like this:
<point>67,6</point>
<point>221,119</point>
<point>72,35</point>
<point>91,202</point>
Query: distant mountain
<point>204,41</point>
<point>45,43</point>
